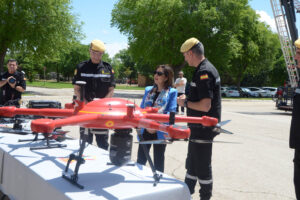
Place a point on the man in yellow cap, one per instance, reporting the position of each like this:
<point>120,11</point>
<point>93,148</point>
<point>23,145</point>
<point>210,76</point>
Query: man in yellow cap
<point>100,83</point>
<point>204,98</point>
<point>295,128</point>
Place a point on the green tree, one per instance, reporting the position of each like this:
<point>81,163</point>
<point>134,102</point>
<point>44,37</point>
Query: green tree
<point>77,54</point>
<point>127,67</point>
<point>156,29</point>
<point>235,41</point>
<point>38,27</point>
<point>257,47</point>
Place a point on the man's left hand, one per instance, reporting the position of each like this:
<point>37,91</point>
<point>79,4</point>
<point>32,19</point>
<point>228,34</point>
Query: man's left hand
<point>181,99</point>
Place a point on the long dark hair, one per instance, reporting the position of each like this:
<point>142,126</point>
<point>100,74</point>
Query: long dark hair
<point>169,73</point>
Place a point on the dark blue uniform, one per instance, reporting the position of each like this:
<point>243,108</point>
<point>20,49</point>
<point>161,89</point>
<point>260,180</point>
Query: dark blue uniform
<point>10,94</point>
<point>99,78</point>
<point>205,84</point>
<point>295,139</point>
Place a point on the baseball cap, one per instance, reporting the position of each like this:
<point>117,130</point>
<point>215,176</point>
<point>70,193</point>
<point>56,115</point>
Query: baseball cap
<point>188,44</point>
<point>97,45</point>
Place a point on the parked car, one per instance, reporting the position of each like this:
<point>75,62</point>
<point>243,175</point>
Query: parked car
<point>223,91</point>
<point>245,92</point>
<point>260,92</point>
<point>271,91</point>
<point>232,92</point>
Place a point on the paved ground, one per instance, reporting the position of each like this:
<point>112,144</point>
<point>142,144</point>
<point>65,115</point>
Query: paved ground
<point>259,167</point>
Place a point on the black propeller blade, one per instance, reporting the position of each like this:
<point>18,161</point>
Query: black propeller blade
<point>212,141</point>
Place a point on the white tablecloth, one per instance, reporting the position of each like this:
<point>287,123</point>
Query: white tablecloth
<point>36,175</point>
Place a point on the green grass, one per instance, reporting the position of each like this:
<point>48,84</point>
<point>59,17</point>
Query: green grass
<point>59,85</point>
<point>128,87</point>
<point>49,84</point>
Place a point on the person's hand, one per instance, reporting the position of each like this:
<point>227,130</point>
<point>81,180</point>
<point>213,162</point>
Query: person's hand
<point>13,85</point>
<point>181,99</point>
<point>152,131</point>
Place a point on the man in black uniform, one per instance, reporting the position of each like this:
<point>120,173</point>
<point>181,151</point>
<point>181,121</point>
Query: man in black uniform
<point>203,99</point>
<point>295,128</point>
<point>100,83</point>
<point>12,84</point>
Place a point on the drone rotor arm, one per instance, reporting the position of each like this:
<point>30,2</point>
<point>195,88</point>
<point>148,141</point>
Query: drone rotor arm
<point>11,111</point>
<point>205,120</point>
<point>48,125</point>
<point>174,132</point>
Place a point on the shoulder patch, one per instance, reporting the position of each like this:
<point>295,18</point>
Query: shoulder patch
<point>75,72</point>
<point>203,77</point>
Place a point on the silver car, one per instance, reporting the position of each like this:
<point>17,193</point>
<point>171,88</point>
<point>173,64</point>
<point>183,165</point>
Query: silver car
<point>271,91</point>
<point>232,92</point>
<point>260,92</point>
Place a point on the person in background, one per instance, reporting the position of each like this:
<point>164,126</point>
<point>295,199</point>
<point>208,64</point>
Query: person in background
<point>295,128</point>
<point>203,99</point>
<point>162,96</point>
<point>13,84</point>
<point>180,84</point>
<point>100,83</point>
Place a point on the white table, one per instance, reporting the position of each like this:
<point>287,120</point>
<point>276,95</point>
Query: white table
<point>36,175</point>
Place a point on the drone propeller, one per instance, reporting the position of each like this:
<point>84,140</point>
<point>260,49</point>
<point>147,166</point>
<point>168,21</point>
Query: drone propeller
<point>222,123</point>
<point>218,128</point>
<point>60,135</point>
<point>211,141</point>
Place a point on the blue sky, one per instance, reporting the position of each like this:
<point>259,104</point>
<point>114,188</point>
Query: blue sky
<point>96,16</point>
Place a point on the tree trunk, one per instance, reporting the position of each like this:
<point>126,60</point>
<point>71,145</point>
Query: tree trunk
<point>57,73</point>
<point>177,69</point>
<point>3,51</point>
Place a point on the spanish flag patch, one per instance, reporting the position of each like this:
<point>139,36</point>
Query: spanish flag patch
<point>75,72</point>
<point>203,77</point>
<point>112,71</point>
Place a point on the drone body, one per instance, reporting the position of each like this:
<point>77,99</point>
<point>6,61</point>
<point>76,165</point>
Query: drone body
<point>107,113</point>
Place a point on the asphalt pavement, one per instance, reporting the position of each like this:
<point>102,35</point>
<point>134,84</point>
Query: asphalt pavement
<point>257,165</point>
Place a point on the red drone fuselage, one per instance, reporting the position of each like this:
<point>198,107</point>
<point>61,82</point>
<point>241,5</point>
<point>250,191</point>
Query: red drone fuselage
<point>107,113</point>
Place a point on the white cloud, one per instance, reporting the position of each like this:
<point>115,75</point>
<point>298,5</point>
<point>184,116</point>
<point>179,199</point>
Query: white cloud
<point>114,48</point>
<point>264,17</point>
<point>105,32</point>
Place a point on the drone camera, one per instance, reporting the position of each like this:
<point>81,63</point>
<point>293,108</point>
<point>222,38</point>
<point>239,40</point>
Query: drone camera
<point>120,147</point>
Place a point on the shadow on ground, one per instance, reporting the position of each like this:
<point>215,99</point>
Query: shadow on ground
<point>266,113</point>
<point>128,95</point>
<point>35,93</point>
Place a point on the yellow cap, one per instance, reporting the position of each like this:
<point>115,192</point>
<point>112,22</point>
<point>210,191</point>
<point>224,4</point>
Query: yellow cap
<point>297,43</point>
<point>188,44</point>
<point>97,45</point>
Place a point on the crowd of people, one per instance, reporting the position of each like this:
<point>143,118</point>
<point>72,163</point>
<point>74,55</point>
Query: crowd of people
<point>202,99</point>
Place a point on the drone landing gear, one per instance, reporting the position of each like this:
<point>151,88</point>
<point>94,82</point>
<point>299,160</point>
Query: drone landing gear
<point>48,144</point>
<point>156,176</point>
<point>74,177</point>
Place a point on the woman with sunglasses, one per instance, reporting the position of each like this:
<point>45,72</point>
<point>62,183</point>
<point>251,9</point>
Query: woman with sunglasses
<point>162,96</point>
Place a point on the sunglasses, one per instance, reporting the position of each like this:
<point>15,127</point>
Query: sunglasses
<point>96,52</point>
<point>158,73</point>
